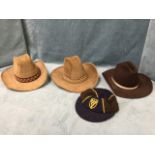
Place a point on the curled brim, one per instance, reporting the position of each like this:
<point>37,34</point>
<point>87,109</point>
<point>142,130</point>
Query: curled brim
<point>10,81</point>
<point>90,82</point>
<point>144,88</point>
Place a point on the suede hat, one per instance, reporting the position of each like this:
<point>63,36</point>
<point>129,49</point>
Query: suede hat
<point>125,81</point>
<point>96,105</point>
<point>75,76</point>
<point>24,75</point>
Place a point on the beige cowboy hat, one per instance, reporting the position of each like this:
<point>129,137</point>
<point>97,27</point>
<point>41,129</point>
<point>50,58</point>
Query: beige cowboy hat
<point>25,75</point>
<point>75,76</point>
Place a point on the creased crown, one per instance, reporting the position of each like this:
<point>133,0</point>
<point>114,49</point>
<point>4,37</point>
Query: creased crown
<point>73,68</point>
<point>24,67</point>
<point>126,74</point>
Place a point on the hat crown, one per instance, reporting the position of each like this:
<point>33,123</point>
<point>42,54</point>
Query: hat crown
<point>126,74</point>
<point>24,67</point>
<point>73,68</point>
<point>99,100</point>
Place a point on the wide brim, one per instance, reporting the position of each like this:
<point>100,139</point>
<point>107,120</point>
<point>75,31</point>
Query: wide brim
<point>10,81</point>
<point>90,82</point>
<point>88,115</point>
<point>144,88</point>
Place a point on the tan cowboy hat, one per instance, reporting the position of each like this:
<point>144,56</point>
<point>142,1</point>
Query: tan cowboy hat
<point>125,81</point>
<point>75,76</point>
<point>25,75</point>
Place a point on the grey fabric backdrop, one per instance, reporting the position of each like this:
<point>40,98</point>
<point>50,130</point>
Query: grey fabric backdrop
<point>98,41</point>
<point>147,64</point>
<point>11,41</point>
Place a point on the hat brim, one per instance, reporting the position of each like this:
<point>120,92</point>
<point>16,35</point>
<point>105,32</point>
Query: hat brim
<point>88,115</point>
<point>10,81</point>
<point>90,82</point>
<point>144,88</point>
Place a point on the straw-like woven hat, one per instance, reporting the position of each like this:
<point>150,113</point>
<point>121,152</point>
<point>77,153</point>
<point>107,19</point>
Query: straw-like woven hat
<point>75,76</point>
<point>25,75</point>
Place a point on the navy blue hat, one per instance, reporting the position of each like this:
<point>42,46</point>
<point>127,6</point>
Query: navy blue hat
<point>96,105</point>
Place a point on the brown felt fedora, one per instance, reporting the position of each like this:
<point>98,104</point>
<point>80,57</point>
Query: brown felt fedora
<point>25,75</point>
<point>75,76</point>
<point>125,81</point>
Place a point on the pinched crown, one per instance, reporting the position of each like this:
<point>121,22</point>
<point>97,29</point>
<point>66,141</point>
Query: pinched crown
<point>73,68</point>
<point>125,74</point>
<point>24,67</point>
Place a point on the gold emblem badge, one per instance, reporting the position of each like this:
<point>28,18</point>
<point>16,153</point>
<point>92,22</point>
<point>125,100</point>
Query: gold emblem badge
<point>93,103</point>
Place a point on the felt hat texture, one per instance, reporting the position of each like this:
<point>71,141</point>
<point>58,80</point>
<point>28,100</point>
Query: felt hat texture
<point>125,81</point>
<point>24,75</point>
<point>74,75</point>
<point>96,105</point>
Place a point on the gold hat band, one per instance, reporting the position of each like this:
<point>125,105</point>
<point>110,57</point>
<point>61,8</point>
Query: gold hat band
<point>123,87</point>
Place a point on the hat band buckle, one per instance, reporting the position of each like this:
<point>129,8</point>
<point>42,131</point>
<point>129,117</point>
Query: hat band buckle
<point>123,87</point>
<point>29,79</point>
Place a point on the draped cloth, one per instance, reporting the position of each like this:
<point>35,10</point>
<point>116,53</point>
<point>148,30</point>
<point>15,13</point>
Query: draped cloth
<point>103,42</point>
